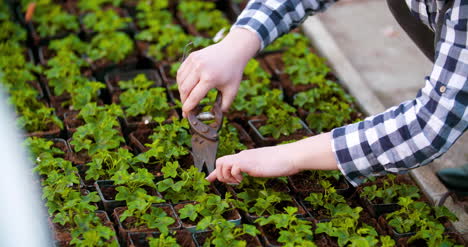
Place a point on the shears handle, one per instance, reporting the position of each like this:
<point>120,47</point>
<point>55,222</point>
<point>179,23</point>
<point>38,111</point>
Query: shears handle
<point>209,132</point>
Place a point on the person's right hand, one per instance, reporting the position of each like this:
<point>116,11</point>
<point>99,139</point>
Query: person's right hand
<point>218,66</point>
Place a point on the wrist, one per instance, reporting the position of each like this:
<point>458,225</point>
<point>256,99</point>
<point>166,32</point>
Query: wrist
<point>314,153</point>
<point>244,44</point>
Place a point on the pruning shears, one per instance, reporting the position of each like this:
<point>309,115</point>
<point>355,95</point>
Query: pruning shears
<point>205,137</point>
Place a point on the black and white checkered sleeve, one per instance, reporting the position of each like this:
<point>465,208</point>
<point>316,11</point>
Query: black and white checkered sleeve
<point>417,131</point>
<point>270,19</point>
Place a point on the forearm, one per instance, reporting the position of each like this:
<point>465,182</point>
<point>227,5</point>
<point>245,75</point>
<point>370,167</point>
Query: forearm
<point>243,43</point>
<point>313,153</point>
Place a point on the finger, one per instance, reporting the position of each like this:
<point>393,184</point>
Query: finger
<point>236,173</point>
<point>228,98</point>
<point>212,177</point>
<point>219,173</point>
<point>194,97</point>
<point>227,174</point>
<point>182,71</point>
<point>187,85</point>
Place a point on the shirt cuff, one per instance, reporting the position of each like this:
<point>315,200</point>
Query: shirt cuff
<point>353,154</point>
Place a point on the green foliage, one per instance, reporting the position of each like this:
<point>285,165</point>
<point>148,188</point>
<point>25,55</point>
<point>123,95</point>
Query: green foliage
<point>329,200</point>
<point>390,191</point>
<point>114,46</point>
<point>255,105</point>
<point>96,5</point>
<point>305,70</point>
<point>53,20</point>
<point>168,41</point>
<point>229,142</point>
<point>155,11</point>
<point>258,198</point>
<point>292,231</point>
<point>204,16</point>
<point>225,233</point>
<point>69,43</point>
<point>182,184</point>
<point>328,105</point>
<point>143,100</point>
<point>64,72</point>
<point>100,131</point>
<point>280,122</point>
<point>105,21</point>
<point>34,115</point>
<point>106,163</point>
<point>163,240</point>
<point>11,32</point>
<point>290,40</point>
<point>84,93</point>
<point>170,142</point>
<point>414,216</point>
<point>346,228</point>
<point>145,213</point>
<point>207,205</point>
<point>39,147</point>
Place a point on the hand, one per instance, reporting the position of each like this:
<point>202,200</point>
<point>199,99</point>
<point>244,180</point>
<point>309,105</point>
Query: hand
<point>261,162</point>
<point>313,153</point>
<point>218,66</point>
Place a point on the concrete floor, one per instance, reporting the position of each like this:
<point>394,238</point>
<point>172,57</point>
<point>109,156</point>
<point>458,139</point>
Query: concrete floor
<point>381,67</point>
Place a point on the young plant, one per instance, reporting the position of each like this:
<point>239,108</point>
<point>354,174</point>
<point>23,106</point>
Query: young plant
<point>182,184</point>
<point>146,214</point>
<point>105,21</point>
<point>259,199</point>
<point>64,72</point>
<point>39,147</point>
<point>390,191</point>
<point>170,142</point>
<point>155,11</point>
<point>255,105</point>
<point>11,32</point>
<point>69,43</point>
<point>106,163</point>
<point>280,122</point>
<point>163,240</point>
<point>203,16</point>
<point>169,41</point>
<point>34,115</point>
<point>96,5</point>
<point>292,231</point>
<point>145,101</point>
<point>345,226</point>
<point>84,93</point>
<point>52,20</point>
<point>100,131</point>
<point>208,205</point>
<point>329,200</point>
<point>329,106</point>
<point>413,214</point>
<point>113,46</point>
<point>225,233</point>
<point>229,142</point>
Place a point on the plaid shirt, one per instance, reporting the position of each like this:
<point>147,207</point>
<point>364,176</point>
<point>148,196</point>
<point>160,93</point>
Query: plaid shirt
<point>407,135</point>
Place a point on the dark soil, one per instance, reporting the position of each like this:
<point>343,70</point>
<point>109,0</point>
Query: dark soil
<point>243,136</point>
<point>302,183</point>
